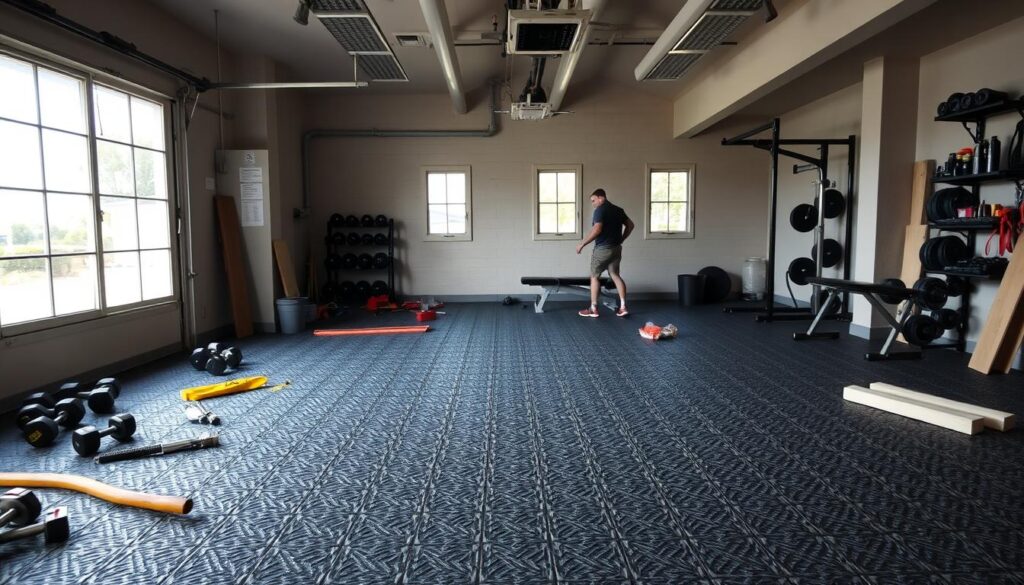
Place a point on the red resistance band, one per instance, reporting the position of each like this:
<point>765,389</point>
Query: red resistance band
<point>1011,223</point>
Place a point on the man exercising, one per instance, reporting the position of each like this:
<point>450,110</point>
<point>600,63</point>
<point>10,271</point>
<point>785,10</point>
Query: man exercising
<point>611,227</point>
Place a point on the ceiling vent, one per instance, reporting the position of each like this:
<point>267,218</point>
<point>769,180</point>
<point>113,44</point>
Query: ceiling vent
<point>702,32</point>
<point>352,25</point>
<point>412,39</point>
<point>545,32</point>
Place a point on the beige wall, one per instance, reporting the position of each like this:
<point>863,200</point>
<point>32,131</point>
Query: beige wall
<point>991,59</point>
<point>612,134</point>
<point>833,116</point>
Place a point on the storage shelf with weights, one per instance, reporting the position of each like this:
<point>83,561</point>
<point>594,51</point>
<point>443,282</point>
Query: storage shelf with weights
<point>359,246</point>
<point>949,251</point>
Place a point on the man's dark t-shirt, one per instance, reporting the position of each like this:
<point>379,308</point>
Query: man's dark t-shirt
<point>612,218</point>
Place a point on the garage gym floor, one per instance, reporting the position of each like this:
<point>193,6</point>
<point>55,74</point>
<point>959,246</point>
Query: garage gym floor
<point>510,447</point>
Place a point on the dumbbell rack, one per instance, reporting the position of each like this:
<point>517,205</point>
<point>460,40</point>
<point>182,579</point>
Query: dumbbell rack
<point>977,116</point>
<point>333,274</point>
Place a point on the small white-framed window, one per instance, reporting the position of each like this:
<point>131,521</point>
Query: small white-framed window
<point>556,201</point>
<point>669,197</point>
<point>449,203</point>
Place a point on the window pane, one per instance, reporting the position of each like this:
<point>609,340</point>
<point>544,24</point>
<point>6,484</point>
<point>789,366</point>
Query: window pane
<point>118,224</point>
<point>548,218</point>
<point>74,284</point>
<point>121,278</point>
<point>436,188</point>
<point>115,168</point>
<point>566,187</point>
<point>438,219</point>
<point>147,123</point>
<point>456,187</point>
<point>659,217</point>
<point>18,98</point>
<point>19,156</point>
<point>156,274</point>
<point>659,186</point>
<point>547,187</point>
<point>66,158</point>
<point>456,219</point>
<point>112,119</point>
<point>677,217</point>
<point>566,218</point>
<point>24,290</point>
<point>71,223</point>
<point>62,101</point>
<point>150,174</point>
<point>153,224</point>
<point>22,223</point>
<point>678,183</point>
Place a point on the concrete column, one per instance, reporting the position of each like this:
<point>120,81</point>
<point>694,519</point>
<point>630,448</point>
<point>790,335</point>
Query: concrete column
<point>887,146</point>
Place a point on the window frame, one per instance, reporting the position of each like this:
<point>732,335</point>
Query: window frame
<point>691,170</point>
<point>535,202</point>
<point>425,172</point>
<point>91,79</point>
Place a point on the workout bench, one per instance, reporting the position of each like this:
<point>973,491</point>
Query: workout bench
<point>877,295</point>
<point>574,285</point>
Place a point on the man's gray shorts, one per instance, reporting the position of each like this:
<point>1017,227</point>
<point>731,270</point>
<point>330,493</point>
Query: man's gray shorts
<point>605,259</point>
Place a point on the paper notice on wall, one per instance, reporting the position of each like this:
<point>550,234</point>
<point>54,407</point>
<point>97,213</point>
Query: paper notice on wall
<point>251,191</point>
<point>252,212</point>
<point>250,174</point>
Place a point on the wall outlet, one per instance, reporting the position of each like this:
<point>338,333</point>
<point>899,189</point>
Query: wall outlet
<point>211,185</point>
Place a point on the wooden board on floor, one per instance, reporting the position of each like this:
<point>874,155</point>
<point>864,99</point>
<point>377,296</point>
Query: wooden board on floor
<point>285,268</point>
<point>947,418</point>
<point>1004,327</point>
<point>924,170</point>
<point>234,264</point>
<point>993,419</point>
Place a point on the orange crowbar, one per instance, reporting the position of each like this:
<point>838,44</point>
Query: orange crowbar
<point>371,331</point>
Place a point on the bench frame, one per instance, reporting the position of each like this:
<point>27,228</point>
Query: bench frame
<point>572,289</point>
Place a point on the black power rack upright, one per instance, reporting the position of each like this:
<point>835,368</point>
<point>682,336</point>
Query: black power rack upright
<point>774,144</point>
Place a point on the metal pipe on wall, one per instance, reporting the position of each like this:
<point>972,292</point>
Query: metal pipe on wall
<point>436,15</point>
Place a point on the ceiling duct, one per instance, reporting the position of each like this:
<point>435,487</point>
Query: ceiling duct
<point>699,27</point>
<point>436,17</point>
<point>352,25</point>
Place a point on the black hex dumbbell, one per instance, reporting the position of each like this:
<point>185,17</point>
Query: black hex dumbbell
<point>67,413</point>
<point>54,528</point>
<point>86,440</point>
<point>18,507</point>
<point>216,358</point>
<point>100,399</point>
<point>43,430</point>
<point>41,398</point>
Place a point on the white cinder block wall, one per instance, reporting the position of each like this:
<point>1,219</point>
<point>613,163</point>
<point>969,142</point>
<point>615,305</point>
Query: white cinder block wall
<point>613,135</point>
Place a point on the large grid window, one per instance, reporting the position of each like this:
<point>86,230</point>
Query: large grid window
<point>556,201</point>
<point>63,164</point>
<point>670,201</point>
<point>449,203</point>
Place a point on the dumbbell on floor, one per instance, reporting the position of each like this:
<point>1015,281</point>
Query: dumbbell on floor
<point>68,413</point>
<point>18,507</point>
<point>100,399</point>
<point>86,440</point>
<point>43,430</point>
<point>54,528</point>
<point>216,358</point>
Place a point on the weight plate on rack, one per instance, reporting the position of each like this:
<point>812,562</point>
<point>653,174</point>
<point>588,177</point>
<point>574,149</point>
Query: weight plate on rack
<point>920,330</point>
<point>380,239</point>
<point>352,221</point>
<point>381,220</point>
<point>932,293</point>
<point>349,261</point>
<point>365,262</point>
<point>380,260</point>
<point>893,299</point>
<point>804,217</point>
<point>831,254</point>
<point>947,318</point>
<point>801,269</point>
<point>336,220</point>
<point>366,240</point>
<point>835,203</point>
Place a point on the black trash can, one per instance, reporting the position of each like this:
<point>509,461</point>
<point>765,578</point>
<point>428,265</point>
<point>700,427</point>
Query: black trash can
<point>691,289</point>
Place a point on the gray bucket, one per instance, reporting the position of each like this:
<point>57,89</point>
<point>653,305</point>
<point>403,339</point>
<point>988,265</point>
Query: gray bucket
<point>291,313</point>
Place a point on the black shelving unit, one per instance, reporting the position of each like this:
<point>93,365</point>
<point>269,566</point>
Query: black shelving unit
<point>969,229</point>
<point>333,288</point>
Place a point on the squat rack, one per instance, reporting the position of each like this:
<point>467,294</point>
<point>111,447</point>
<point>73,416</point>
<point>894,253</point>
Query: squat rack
<point>774,146</point>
